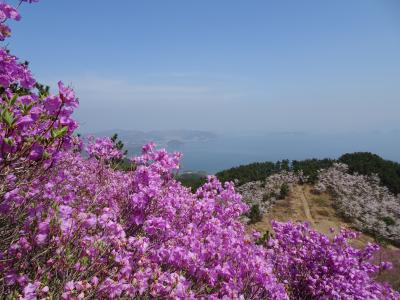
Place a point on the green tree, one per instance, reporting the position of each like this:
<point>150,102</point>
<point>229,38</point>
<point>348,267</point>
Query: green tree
<point>284,191</point>
<point>255,214</point>
<point>122,164</point>
<point>367,163</point>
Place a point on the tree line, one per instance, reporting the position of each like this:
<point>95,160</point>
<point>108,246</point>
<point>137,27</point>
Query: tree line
<point>364,163</point>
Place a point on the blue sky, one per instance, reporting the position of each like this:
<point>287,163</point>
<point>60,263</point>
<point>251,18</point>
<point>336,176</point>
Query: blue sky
<point>237,66</point>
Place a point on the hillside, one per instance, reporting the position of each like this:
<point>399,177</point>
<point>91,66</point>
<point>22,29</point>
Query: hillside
<point>302,205</point>
<point>319,211</point>
<point>265,186</point>
<point>364,163</point>
<point>334,197</point>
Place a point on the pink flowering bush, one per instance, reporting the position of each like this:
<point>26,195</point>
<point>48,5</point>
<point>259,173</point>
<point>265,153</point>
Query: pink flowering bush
<point>72,227</point>
<point>103,148</point>
<point>315,267</point>
<point>7,12</point>
<point>83,229</point>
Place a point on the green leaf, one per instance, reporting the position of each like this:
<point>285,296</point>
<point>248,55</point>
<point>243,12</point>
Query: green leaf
<point>84,261</point>
<point>26,108</point>
<point>13,99</point>
<point>8,141</point>
<point>8,118</point>
<point>46,155</point>
<point>58,132</point>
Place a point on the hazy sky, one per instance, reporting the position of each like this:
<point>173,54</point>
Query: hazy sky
<point>220,65</point>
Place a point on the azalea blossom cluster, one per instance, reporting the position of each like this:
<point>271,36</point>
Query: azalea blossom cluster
<point>103,148</point>
<point>315,267</point>
<point>72,227</point>
<point>7,12</point>
<point>34,125</point>
<point>360,198</point>
<point>38,125</point>
<point>12,71</point>
<point>265,193</point>
<point>84,229</point>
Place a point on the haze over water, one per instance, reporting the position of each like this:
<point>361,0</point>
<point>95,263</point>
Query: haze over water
<point>229,66</point>
<point>228,150</point>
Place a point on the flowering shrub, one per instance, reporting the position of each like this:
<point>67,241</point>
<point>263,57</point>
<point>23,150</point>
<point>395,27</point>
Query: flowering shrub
<point>72,227</point>
<point>361,199</point>
<point>315,267</point>
<point>84,229</point>
<point>265,194</point>
<point>103,148</point>
<point>7,12</point>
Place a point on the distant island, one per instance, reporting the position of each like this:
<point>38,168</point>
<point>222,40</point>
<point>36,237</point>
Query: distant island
<point>170,139</point>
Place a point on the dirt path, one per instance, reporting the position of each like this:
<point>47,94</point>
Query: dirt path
<point>295,207</point>
<point>299,191</point>
<point>302,205</point>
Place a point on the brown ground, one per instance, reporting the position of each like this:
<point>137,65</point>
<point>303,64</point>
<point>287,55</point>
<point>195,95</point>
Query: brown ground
<point>318,210</point>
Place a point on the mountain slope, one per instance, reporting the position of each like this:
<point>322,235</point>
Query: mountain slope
<point>302,205</point>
